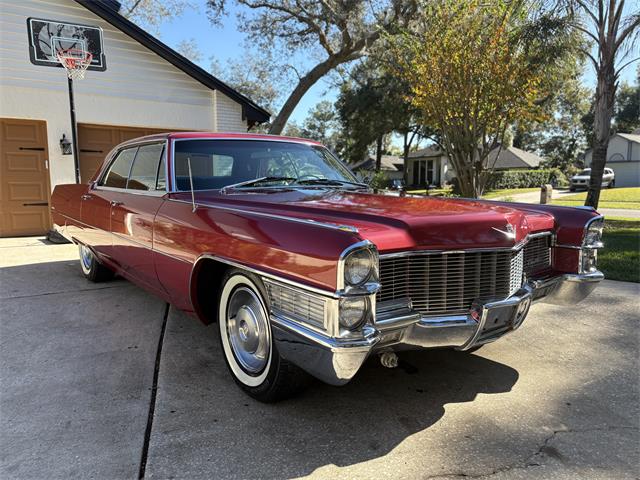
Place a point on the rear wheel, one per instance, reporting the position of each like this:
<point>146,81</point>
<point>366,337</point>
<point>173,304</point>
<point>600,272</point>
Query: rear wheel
<point>247,343</point>
<point>91,268</point>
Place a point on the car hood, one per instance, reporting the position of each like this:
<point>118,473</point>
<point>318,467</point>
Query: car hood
<point>580,177</point>
<point>393,222</point>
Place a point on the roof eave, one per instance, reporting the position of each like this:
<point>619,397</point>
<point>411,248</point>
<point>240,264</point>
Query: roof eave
<point>250,110</point>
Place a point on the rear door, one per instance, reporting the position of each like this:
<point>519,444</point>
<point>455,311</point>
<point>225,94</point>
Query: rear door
<point>133,211</point>
<point>95,210</point>
<point>24,178</point>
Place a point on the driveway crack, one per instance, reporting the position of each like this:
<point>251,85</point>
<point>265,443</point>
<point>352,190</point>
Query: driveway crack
<point>154,392</point>
<point>529,461</point>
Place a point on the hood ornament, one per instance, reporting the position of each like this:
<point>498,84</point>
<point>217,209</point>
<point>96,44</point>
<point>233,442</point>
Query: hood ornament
<point>510,232</point>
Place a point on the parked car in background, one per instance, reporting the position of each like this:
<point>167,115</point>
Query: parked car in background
<point>581,180</point>
<point>304,269</point>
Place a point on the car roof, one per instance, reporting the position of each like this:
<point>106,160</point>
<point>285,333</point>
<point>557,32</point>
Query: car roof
<point>221,136</point>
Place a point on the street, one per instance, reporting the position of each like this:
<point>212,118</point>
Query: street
<point>559,398</point>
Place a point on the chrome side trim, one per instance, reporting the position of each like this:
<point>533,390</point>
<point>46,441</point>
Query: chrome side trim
<point>262,273</point>
<point>306,221</point>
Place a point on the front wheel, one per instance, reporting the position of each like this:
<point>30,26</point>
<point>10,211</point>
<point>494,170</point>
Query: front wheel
<point>91,268</point>
<point>247,343</point>
<point>612,183</point>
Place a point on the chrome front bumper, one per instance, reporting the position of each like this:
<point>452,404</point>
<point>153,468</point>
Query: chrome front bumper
<point>399,327</point>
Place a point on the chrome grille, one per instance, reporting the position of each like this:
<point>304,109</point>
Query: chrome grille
<point>296,304</point>
<point>448,283</point>
<point>537,255</point>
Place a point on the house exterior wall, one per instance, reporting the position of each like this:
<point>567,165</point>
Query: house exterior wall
<point>138,88</point>
<point>623,157</point>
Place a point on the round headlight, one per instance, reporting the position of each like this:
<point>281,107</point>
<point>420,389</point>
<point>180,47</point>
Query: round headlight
<point>358,267</point>
<point>353,312</point>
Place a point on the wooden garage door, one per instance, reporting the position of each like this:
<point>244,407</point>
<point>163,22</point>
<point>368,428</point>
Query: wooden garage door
<point>24,178</point>
<point>96,141</point>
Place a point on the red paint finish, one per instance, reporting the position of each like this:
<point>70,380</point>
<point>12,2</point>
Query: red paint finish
<point>156,240</point>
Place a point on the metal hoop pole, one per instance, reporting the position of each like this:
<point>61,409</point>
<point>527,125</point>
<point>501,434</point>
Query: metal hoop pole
<point>74,131</point>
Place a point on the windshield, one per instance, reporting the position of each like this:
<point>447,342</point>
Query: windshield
<point>216,164</point>
<point>586,172</point>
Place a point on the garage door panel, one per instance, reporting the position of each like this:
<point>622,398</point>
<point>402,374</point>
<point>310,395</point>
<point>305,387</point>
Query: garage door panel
<point>17,131</point>
<point>23,191</point>
<point>96,141</point>
<point>24,162</point>
<point>24,178</point>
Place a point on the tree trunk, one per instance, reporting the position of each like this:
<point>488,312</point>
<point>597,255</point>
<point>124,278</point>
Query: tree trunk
<point>379,153</point>
<point>304,84</point>
<point>605,93</point>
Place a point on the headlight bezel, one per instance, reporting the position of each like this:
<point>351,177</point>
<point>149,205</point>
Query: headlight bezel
<point>592,234</point>
<point>370,283</point>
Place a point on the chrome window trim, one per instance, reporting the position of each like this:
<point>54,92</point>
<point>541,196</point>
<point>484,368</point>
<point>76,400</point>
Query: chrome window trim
<point>148,193</point>
<point>306,221</point>
<point>276,138</point>
<point>114,154</point>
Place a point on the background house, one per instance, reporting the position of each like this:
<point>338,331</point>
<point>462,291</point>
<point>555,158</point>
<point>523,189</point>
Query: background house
<point>623,157</point>
<point>391,165</point>
<point>431,165</point>
<point>145,88</point>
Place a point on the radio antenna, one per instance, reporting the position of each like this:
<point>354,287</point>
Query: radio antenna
<point>193,198</point>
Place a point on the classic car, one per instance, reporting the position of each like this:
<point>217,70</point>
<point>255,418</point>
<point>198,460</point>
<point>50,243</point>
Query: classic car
<point>581,180</point>
<point>305,270</point>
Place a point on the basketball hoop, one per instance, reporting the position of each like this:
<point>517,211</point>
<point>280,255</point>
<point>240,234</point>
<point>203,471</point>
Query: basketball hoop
<point>75,61</point>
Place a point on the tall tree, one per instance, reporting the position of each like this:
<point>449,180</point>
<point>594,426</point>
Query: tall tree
<point>374,103</point>
<point>627,109</point>
<point>612,31</point>
<point>330,33</point>
<point>321,125</point>
<point>150,14</point>
<point>474,68</point>
<point>189,49</point>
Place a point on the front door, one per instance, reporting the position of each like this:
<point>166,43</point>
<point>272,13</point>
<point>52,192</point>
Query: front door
<point>133,212</point>
<point>24,178</point>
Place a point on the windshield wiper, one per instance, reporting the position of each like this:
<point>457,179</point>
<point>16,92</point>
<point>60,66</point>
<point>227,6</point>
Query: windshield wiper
<point>330,182</point>
<point>257,181</point>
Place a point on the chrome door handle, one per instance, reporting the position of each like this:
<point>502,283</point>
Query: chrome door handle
<point>86,196</point>
<point>115,203</point>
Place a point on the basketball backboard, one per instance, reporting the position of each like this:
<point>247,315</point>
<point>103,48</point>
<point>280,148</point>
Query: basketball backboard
<point>47,37</point>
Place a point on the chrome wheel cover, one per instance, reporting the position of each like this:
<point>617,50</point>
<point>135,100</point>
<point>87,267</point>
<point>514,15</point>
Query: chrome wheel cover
<point>86,258</point>
<point>248,330</point>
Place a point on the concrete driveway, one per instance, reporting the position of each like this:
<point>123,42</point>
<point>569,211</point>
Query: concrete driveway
<point>79,367</point>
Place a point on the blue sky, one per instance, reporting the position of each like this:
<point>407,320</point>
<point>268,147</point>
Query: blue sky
<point>227,42</point>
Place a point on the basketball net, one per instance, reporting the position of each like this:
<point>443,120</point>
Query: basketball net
<point>75,61</point>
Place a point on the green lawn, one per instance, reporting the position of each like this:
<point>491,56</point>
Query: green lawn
<point>507,192</point>
<point>620,257</point>
<point>628,198</point>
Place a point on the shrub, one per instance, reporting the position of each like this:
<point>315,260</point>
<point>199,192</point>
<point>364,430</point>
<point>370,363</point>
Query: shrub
<point>376,180</point>
<point>526,178</point>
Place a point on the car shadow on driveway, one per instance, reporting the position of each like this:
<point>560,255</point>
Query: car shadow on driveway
<point>205,426</point>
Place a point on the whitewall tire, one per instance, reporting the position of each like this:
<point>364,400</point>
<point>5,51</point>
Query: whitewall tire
<point>247,341</point>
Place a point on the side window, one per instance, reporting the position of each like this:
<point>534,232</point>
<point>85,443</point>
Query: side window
<point>118,173</point>
<point>145,167</point>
